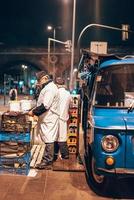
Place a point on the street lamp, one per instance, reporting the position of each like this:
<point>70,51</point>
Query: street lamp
<point>51,28</point>
<point>73,41</point>
<point>24,67</point>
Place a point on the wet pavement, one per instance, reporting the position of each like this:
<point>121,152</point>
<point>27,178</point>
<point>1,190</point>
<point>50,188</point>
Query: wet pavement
<point>46,185</point>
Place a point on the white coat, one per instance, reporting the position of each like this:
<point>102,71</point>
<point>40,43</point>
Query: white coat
<point>48,121</point>
<point>65,99</point>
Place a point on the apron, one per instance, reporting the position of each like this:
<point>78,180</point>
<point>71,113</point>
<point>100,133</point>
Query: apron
<point>48,122</point>
<point>65,99</point>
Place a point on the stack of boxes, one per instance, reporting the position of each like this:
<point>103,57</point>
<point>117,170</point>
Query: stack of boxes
<point>15,145</point>
<point>73,125</point>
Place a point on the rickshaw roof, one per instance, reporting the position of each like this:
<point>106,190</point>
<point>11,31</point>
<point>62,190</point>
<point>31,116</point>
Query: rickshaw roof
<point>106,60</point>
<point>112,62</point>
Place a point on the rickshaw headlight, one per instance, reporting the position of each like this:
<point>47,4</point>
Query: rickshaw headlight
<point>110,143</point>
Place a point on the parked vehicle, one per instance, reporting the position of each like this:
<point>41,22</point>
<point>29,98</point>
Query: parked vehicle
<point>108,129</point>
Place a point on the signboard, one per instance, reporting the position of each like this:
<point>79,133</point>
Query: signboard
<point>98,47</point>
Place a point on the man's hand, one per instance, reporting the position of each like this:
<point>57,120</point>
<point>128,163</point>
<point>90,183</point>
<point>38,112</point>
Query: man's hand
<point>30,113</point>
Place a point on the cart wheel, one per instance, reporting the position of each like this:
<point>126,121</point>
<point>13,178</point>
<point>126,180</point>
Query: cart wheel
<point>98,183</point>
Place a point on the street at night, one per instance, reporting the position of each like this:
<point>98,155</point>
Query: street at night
<point>66,100</point>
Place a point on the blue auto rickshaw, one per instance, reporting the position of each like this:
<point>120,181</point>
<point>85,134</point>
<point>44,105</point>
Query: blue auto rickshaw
<point>108,125</point>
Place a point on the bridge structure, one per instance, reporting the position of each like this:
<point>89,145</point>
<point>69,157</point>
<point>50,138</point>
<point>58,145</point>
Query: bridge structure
<point>22,63</point>
<point>36,58</point>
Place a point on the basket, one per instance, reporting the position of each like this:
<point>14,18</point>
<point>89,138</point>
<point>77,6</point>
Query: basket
<point>12,117</point>
<point>16,127</point>
<point>15,122</point>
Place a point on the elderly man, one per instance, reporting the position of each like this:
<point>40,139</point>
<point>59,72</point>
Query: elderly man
<point>47,111</point>
<point>65,99</point>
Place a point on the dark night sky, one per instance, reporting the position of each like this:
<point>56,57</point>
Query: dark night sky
<point>23,22</point>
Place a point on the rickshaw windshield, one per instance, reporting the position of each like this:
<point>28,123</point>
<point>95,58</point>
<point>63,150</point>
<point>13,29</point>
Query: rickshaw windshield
<point>115,86</point>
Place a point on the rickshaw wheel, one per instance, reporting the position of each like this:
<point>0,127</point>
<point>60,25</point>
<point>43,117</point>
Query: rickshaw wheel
<point>98,178</point>
<point>98,183</point>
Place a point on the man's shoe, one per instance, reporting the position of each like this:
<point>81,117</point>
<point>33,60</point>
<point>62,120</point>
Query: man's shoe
<point>44,165</point>
<point>55,158</point>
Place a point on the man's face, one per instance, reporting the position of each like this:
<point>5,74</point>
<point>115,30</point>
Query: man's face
<point>43,80</point>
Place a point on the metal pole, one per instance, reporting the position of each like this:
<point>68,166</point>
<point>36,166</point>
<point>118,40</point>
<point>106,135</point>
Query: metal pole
<point>54,36</point>
<point>73,41</point>
<point>61,42</point>
<point>48,60</point>
<point>4,89</point>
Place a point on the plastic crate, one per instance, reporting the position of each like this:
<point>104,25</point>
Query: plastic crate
<point>22,137</point>
<point>15,117</point>
<point>16,127</point>
<point>15,122</point>
<point>12,170</point>
<point>16,165</point>
<point>14,148</point>
<point>22,159</point>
